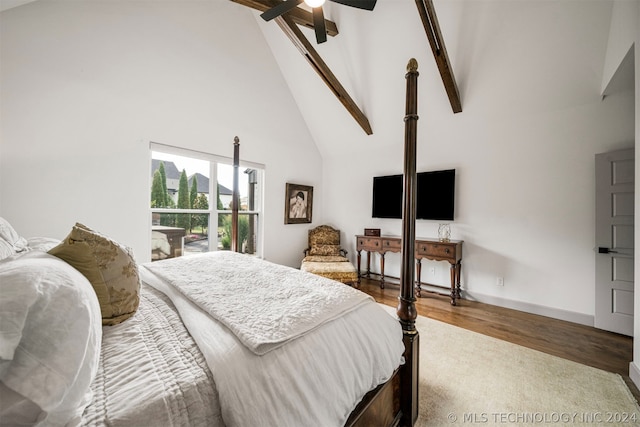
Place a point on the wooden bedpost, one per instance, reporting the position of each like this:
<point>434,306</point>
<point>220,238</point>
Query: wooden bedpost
<point>235,197</point>
<point>407,308</point>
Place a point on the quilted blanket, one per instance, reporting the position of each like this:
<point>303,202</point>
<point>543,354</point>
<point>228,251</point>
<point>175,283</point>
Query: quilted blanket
<point>264,304</point>
<point>152,373</point>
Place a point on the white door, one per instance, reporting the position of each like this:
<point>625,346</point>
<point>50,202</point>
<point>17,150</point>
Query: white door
<point>614,241</point>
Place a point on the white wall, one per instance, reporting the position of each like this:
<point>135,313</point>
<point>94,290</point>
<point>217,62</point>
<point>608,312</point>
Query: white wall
<point>530,76</point>
<point>86,85</point>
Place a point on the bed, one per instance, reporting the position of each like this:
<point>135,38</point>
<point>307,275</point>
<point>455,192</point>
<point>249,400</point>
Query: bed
<point>89,337</point>
<point>211,349</point>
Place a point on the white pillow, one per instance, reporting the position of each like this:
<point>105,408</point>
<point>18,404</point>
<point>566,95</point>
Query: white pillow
<point>8,233</point>
<point>50,338</point>
<point>42,243</point>
<point>6,250</point>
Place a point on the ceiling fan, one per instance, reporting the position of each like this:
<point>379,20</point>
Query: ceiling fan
<point>318,15</point>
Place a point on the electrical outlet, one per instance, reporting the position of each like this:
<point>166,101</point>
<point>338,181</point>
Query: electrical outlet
<point>500,281</point>
<point>432,270</point>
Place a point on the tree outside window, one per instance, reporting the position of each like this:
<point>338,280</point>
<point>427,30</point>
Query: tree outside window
<point>181,204</point>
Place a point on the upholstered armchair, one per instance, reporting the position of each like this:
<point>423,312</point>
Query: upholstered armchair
<point>325,256</point>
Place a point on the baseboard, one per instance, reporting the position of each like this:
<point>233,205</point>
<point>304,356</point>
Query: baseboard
<point>555,313</point>
<point>634,373</point>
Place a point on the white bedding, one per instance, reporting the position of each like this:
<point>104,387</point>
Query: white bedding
<point>174,364</point>
<point>264,304</point>
<point>151,372</point>
<point>50,334</point>
<point>314,380</point>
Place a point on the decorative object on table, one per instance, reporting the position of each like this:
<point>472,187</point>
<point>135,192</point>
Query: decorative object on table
<point>298,204</point>
<point>444,232</point>
<point>372,232</point>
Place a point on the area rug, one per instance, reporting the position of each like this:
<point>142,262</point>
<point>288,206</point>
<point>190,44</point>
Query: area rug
<point>470,379</point>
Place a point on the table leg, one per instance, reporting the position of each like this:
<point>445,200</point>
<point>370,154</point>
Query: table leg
<point>452,272</point>
<point>359,267</point>
<point>458,268</point>
<point>382,271</point>
<point>368,264</point>
<point>418,274</point>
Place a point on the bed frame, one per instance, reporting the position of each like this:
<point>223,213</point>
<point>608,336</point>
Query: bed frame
<point>394,403</point>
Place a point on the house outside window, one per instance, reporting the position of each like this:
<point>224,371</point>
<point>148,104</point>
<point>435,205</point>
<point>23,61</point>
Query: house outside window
<point>191,213</point>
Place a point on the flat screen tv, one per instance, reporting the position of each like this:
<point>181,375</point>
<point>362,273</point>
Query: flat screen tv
<point>435,195</point>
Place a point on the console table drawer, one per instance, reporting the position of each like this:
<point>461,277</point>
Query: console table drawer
<point>369,243</point>
<point>393,245</point>
<point>436,250</point>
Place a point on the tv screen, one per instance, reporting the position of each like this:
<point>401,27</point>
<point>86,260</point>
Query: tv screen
<point>387,196</point>
<point>435,195</point>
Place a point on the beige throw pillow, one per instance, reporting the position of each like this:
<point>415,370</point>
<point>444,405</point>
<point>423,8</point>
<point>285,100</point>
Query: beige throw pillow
<point>109,266</point>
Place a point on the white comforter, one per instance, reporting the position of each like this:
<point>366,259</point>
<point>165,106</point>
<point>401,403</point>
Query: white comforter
<point>315,379</point>
<point>264,304</point>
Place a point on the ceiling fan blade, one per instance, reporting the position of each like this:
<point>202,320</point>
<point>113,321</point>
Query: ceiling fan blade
<point>278,10</point>
<point>319,25</point>
<point>360,4</point>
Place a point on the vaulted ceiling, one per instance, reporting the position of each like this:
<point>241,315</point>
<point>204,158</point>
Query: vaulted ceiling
<point>368,58</point>
<point>8,4</point>
<point>297,16</point>
<point>338,82</point>
<point>491,46</point>
<point>500,58</point>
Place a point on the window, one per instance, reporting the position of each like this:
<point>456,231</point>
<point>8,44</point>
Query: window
<point>191,213</point>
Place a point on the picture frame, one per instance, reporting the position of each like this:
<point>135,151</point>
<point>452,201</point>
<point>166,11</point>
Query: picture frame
<point>298,204</point>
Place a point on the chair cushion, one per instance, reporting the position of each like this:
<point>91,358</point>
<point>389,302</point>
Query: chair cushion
<point>325,250</point>
<point>343,272</point>
<point>318,258</point>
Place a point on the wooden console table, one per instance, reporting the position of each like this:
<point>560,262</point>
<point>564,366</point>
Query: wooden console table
<point>432,249</point>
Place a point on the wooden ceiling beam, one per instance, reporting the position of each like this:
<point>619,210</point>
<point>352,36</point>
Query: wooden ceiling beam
<point>299,16</point>
<point>287,24</point>
<point>432,28</point>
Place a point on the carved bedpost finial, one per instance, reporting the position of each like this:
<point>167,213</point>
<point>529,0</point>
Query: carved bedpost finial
<point>412,66</point>
<point>236,140</point>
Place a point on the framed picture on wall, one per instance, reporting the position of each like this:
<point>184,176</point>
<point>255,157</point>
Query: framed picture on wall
<point>298,204</point>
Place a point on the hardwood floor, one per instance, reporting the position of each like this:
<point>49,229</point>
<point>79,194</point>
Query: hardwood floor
<point>583,344</point>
